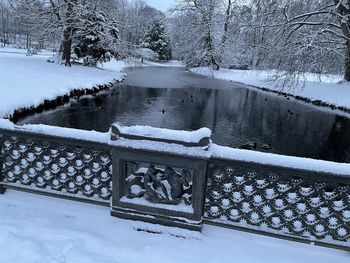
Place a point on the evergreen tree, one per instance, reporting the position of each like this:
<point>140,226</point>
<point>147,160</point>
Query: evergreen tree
<point>97,38</point>
<point>156,40</point>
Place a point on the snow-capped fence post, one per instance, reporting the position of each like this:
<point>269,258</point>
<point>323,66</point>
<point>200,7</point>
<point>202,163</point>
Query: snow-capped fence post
<point>159,175</point>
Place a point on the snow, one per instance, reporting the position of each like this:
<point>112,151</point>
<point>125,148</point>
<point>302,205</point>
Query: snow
<point>228,153</point>
<point>214,151</point>
<point>42,229</point>
<point>117,65</point>
<point>29,80</point>
<point>106,138</point>
<point>167,134</point>
<point>14,50</point>
<point>171,63</point>
<point>327,88</point>
<point>146,53</point>
<point>169,148</point>
<point>181,207</point>
<point>57,131</point>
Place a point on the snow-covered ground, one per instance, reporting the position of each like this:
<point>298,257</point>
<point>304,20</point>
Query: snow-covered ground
<point>328,89</point>
<point>14,50</point>
<point>28,80</point>
<point>171,63</point>
<point>37,229</point>
<point>136,62</point>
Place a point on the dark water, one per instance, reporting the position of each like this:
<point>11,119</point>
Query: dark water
<point>235,114</point>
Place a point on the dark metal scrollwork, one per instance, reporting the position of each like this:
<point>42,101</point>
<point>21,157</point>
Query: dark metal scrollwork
<point>57,167</point>
<point>279,201</point>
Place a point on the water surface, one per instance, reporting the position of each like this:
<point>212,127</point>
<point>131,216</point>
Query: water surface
<point>176,99</point>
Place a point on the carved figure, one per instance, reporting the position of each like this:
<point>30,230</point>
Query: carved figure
<point>160,186</point>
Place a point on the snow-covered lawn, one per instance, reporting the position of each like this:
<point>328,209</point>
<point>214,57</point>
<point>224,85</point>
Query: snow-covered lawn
<point>23,51</point>
<point>27,81</point>
<point>171,63</point>
<point>136,62</point>
<point>326,89</point>
<point>37,229</point>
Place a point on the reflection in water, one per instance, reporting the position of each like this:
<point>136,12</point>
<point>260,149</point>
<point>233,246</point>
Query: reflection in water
<point>338,141</point>
<point>235,114</point>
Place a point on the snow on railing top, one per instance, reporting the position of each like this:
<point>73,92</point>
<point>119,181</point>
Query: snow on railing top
<point>214,151</point>
<point>199,137</point>
<point>69,133</point>
<point>299,163</point>
<point>157,146</point>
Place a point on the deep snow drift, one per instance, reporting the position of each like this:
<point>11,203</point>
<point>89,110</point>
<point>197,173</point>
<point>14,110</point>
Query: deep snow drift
<point>41,229</point>
<point>29,80</point>
<point>326,89</point>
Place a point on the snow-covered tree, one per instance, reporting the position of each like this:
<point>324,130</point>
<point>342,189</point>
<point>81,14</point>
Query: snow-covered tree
<point>97,38</point>
<point>320,33</point>
<point>194,29</point>
<point>84,26</point>
<point>31,17</point>
<point>156,40</point>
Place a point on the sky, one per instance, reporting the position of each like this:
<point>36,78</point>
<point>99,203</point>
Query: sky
<point>162,5</point>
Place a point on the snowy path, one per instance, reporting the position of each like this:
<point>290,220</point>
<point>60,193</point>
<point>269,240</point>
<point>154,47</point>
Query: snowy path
<point>327,90</point>
<point>27,81</point>
<point>37,229</point>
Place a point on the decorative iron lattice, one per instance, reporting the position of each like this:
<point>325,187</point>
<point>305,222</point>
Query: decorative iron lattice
<point>279,201</point>
<point>56,167</point>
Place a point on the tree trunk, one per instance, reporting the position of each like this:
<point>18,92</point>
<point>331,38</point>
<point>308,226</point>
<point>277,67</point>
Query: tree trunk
<point>344,11</point>
<point>227,21</point>
<point>347,62</point>
<point>27,42</point>
<point>67,34</point>
<point>67,47</point>
<point>3,24</point>
<point>210,44</point>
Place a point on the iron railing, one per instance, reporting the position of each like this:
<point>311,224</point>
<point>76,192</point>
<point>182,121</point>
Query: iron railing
<point>281,201</point>
<point>54,165</point>
<point>284,202</point>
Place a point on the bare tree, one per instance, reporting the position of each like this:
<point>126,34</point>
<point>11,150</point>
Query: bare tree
<point>199,31</point>
<point>314,36</point>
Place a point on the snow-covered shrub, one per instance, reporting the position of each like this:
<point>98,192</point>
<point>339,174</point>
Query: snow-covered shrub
<point>146,53</point>
<point>156,39</point>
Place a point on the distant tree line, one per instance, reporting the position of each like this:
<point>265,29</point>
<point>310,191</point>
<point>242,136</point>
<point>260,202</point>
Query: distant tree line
<point>91,30</point>
<point>293,36</point>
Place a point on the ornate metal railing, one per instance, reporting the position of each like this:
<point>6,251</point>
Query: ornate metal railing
<point>279,201</point>
<point>54,165</point>
<point>164,182</point>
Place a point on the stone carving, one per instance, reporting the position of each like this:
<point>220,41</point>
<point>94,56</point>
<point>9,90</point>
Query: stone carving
<point>164,186</point>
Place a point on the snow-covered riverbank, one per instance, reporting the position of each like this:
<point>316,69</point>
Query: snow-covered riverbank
<point>41,229</point>
<point>310,87</point>
<point>27,81</point>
